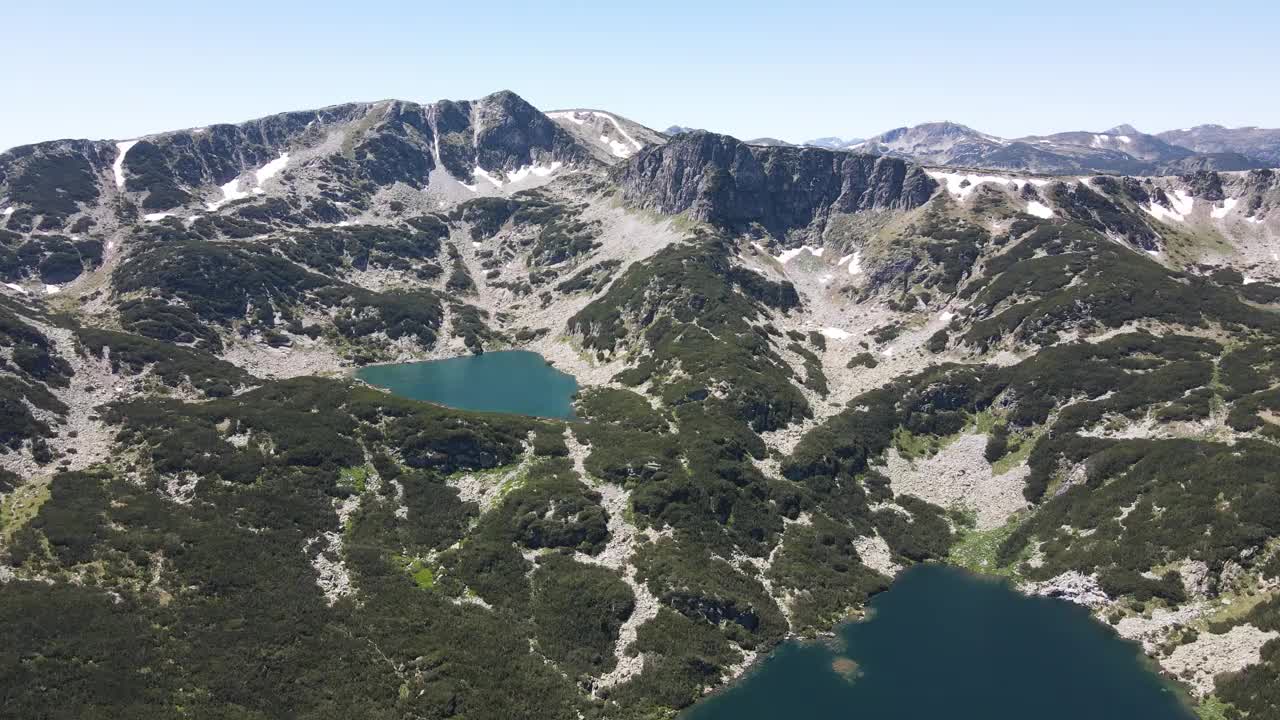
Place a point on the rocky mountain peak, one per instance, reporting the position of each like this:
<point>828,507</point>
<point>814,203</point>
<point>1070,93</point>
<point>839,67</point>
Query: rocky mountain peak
<point>1124,129</point>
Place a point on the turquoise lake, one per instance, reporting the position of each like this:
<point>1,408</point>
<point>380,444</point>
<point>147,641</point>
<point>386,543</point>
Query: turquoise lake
<point>942,643</point>
<point>509,381</point>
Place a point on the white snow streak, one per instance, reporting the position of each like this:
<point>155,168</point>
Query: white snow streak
<point>117,167</point>
<point>1182,202</point>
<point>1182,205</point>
<point>955,182</point>
<point>835,333</point>
<point>1227,206</point>
<point>535,170</point>
<point>16,288</point>
<point>617,147</point>
<point>271,169</point>
<point>480,172</point>
<point>153,217</point>
<point>230,193</point>
<point>1039,209</point>
<point>854,260</point>
<point>787,255</point>
<point>570,116</point>
<point>618,126</point>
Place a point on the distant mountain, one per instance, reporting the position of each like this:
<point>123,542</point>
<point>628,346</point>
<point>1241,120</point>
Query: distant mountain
<point>1122,149</point>
<point>1121,139</point>
<point>769,142</point>
<point>678,130</point>
<point>943,143</point>
<point>1259,143</point>
<point>834,143</point>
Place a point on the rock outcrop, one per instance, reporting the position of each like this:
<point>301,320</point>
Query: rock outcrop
<point>719,179</point>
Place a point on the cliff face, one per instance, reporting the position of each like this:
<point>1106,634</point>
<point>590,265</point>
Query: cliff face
<point>722,180</point>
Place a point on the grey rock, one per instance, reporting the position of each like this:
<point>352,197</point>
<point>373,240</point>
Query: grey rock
<point>719,179</point>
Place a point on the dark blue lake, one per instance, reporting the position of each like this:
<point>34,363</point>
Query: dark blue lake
<point>942,643</point>
<point>510,381</point>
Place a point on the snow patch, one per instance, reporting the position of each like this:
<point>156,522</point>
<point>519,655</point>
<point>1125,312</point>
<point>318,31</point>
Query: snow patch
<point>570,116</point>
<point>117,167</point>
<point>956,182</point>
<point>534,170</point>
<point>481,173</point>
<point>7,211</point>
<point>271,169</point>
<point>855,262</point>
<point>1227,206</point>
<point>787,255</point>
<point>835,333</point>
<point>618,147</point>
<point>1039,209</point>
<point>1181,203</point>
<point>1160,212</point>
<point>52,289</point>
<point>154,217</point>
<point>16,288</point>
<point>230,193</point>
<point>618,126</point>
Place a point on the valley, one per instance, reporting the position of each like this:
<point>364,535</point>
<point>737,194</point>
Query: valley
<point>795,375</point>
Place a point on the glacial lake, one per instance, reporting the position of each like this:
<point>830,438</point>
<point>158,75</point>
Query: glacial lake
<point>943,643</point>
<point>508,381</point>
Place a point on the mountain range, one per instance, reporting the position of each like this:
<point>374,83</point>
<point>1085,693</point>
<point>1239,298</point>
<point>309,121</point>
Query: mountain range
<point>801,371</point>
<point>1120,150</point>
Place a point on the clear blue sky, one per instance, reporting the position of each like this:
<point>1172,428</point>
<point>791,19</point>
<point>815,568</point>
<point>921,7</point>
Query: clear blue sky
<point>794,70</point>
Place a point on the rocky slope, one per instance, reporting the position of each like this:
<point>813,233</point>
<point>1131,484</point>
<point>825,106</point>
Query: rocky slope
<point>802,371</point>
<point>722,180</point>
